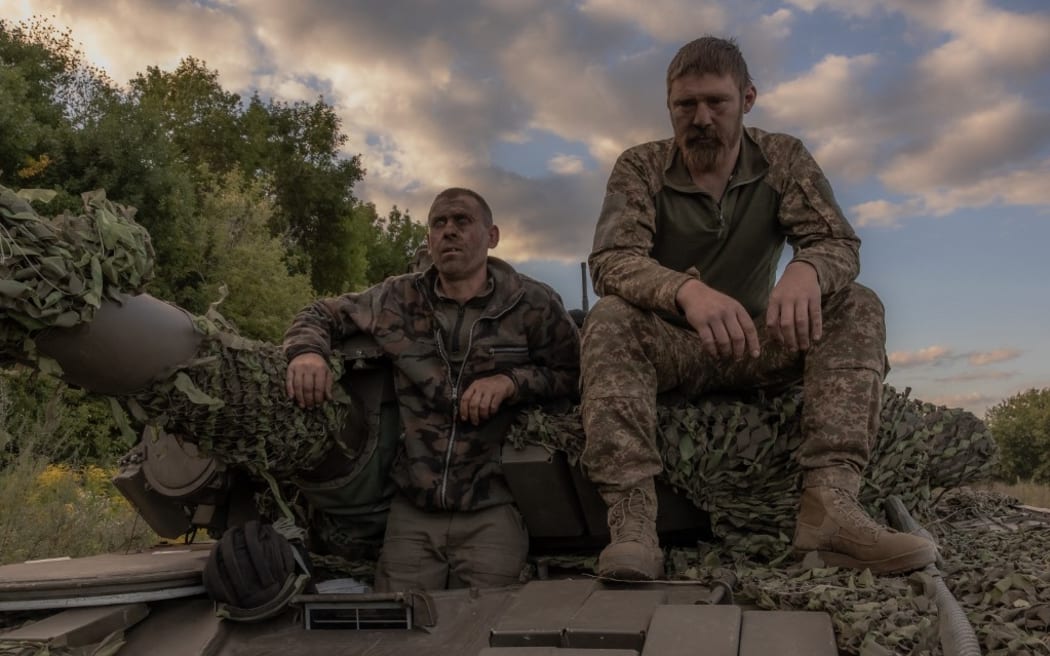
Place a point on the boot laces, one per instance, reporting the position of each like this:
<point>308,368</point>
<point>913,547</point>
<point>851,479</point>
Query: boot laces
<point>850,509</point>
<point>627,517</point>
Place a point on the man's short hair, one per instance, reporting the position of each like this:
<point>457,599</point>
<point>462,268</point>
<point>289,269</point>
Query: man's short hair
<point>710,54</point>
<point>456,192</point>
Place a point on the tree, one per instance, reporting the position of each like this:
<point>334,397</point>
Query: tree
<point>1021,427</point>
<point>242,256</point>
<point>393,241</point>
<point>47,89</point>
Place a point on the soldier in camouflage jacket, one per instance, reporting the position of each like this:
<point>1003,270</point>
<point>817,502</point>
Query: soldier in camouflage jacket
<point>469,338</point>
<point>685,258</point>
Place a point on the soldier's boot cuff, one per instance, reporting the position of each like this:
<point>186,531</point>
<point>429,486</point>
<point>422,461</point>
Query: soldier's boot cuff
<point>832,523</point>
<point>634,549</point>
<point>842,478</point>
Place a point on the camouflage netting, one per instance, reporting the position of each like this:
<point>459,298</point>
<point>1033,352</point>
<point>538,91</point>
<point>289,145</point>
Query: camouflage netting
<point>231,400</point>
<point>56,271</point>
<point>1007,599</point>
<point>734,459</point>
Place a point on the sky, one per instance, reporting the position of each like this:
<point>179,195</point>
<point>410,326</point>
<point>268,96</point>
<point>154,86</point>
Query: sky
<point>931,119</point>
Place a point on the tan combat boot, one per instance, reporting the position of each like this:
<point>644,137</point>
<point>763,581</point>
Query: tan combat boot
<point>634,550</point>
<point>831,522</point>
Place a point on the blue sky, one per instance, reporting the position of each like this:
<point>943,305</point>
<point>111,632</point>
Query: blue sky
<point>931,119</point>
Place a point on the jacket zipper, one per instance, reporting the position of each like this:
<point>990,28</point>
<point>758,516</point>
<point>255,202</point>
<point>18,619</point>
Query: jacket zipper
<point>443,489</point>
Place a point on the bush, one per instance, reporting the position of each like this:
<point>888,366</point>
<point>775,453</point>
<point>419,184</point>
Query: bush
<point>49,506</point>
<point>49,510</point>
<point>1021,427</point>
<point>43,415</point>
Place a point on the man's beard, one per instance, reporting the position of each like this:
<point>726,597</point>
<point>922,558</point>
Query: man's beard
<point>701,151</point>
<point>702,155</point>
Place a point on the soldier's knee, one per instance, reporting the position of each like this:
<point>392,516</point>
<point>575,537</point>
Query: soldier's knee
<point>862,305</point>
<point>611,314</point>
<point>866,299</point>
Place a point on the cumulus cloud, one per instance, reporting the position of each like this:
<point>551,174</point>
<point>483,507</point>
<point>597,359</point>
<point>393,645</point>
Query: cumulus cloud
<point>968,147</point>
<point>1019,187</point>
<point>938,355</point>
<point>985,40</point>
<point>848,7</point>
<point>665,20</point>
<point>978,375</point>
<point>778,24</point>
<point>926,356</point>
<point>993,357</point>
<point>118,45</point>
<point>565,164</point>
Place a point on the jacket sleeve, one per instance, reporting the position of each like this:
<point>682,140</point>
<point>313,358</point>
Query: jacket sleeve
<point>620,260</point>
<point>554,348</point>
<point>815,225</point>
<point>328,321</point>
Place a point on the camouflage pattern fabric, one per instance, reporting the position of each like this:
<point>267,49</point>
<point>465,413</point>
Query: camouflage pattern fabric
<point>524,332</point>
<point>631,355</point>
<point>231,401</point>
<point>792,195</point>
<point>734,457</point>
<point>55,272</point>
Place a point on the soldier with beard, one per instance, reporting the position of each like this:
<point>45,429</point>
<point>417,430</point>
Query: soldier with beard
<point>685,257</point>
<point>469,340</point>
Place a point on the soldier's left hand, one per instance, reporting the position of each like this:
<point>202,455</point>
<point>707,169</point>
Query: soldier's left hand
<point>483,398</point>
<point>793,317</point>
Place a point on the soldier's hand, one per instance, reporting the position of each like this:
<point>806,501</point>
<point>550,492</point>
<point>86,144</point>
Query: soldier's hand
<point>483,398</point>
<point>309,380</point>
<point>793,317</point>
<point>724,326</point>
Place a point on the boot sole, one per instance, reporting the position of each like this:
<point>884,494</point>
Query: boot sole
<point>628,574</point>
<point>907,562</point>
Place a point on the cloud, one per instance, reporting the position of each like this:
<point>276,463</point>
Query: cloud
<point>565,164</point>
<point>926,356</point>
<point>827,105</point>
<point>987,41</point>
<point>190,29</point>
<point>669,21</point>
<point>848,7</point>
<point>975,402</point>
<point>968,147</point>
<point>937,355</point>
<point>1022,187</point>
<point>979,375</point>
<point>778,24</point>
<point>992,357</point>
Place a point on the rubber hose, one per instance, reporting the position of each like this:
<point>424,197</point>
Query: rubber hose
<point>956,633</point>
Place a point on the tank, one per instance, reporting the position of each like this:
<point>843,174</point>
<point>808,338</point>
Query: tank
<point>229,438</point>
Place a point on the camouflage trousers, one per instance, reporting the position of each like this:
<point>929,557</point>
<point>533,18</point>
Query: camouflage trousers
<point>630,355</point>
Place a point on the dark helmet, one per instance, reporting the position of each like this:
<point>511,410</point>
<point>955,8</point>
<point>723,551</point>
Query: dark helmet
<point>253,572</point>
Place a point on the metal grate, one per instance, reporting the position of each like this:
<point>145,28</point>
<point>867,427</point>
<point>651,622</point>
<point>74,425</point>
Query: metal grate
<point>356,616</point>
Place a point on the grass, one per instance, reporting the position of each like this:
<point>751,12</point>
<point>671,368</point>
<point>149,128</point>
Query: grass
<point>1032,494</point>
<point>50,509</point>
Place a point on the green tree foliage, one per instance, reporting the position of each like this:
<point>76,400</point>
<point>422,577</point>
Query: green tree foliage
<point>1021,427</point>
<point>393,241</point>
<point>242,255</point>
<point>65,126</point>
<point>43,415</point>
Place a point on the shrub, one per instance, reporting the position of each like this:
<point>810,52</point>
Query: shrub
<point>1021,427</point>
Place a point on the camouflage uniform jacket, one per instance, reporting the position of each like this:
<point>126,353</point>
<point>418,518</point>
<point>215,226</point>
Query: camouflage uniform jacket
<point>777,191</point>
<point>523,332</point>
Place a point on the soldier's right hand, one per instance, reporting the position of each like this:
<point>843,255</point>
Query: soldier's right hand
<point>724,326</point>
<point>309,380</point>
